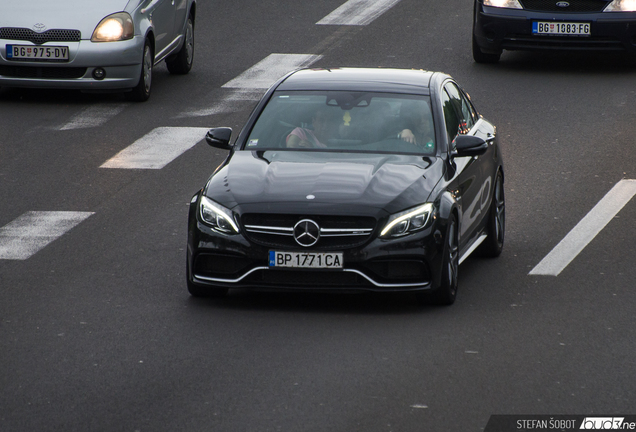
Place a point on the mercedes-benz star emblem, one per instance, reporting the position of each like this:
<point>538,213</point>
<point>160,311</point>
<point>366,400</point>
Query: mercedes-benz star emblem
<point>306,232</point>
<point>39,28</point>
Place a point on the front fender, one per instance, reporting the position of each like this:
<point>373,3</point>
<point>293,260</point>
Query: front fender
<point>445,208</point>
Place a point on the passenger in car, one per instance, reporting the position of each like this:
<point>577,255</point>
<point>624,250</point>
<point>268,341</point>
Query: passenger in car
<point>316,138</point>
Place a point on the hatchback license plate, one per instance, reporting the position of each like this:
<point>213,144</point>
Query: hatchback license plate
<point>561,28</point>
<point>40,53</point>
<point>320,260</point>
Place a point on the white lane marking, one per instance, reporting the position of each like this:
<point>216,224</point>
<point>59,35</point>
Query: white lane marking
<point>157,149</point>
<point>229,103</point>
<point>585,231</point>
<point>32,231</point>
<point>265,73</point>
<point>358,12</point>
<point>93,116</point>
<point>249,86</point>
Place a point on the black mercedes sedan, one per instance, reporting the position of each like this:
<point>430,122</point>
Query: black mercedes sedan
<point>350,180</point>
<point>603,25</point>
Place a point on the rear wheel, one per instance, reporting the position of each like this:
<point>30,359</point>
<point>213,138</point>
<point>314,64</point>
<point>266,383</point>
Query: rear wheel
<point>496,226</point>
<point>446,293</point>
<point>141,92</point>
<point>481,57</point>
<point>181,62</point>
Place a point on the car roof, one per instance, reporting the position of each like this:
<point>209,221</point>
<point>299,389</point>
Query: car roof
<point>407,81</point>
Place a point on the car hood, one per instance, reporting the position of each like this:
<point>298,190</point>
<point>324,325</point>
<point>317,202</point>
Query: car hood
<point>83,15</point>
<point>324,182</point>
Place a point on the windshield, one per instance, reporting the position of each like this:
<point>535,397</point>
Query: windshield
<point>345,121</point>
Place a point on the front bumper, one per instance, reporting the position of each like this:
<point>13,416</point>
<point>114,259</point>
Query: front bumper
<point>121,62</point>
<point>496,29</point>
<point>410,263</point>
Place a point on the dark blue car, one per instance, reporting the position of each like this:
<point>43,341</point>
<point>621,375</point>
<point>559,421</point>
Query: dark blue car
<point>604,25</point>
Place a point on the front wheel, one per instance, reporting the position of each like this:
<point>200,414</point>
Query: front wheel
<point>481,57</point>
<point>446,293</point>
<point>141,92</point>
<point>181,62</point>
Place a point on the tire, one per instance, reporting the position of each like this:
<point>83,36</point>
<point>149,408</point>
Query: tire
<point>446,293</point>
<point>481,57</point>
<point>206,292</point>
<point>181,62</point>
<point>141,92</point>
<point>496,225</point>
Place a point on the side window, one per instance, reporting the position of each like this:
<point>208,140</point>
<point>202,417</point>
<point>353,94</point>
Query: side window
<point>470,106</point>
<point>462,106</point>
<point>450,116</point>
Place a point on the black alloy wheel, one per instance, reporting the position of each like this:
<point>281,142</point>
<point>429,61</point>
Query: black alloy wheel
<point>496,225</point>
<point>446,293</point>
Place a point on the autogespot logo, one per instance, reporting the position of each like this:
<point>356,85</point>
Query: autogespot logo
<point>306,232</point>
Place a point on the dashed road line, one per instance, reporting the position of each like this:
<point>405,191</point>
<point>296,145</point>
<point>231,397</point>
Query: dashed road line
<point>585,231</point>
<point>229,103</point>
<point>358,12</point>
<point>157,149</point>
<point>93,116</point>
<point>250,85</point>
<point>265,73</point>
<point>32,231</point>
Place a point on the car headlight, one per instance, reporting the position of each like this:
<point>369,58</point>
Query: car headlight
<point>217,216</point>
<point>510,4</point>
<point>408,221</point>
<point>621,6</point>
<point>115,27</point>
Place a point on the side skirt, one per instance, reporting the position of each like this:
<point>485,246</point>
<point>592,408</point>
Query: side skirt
<point>479,240</point>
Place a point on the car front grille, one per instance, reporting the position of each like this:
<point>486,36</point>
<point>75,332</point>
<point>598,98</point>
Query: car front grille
<point>53,35</point>
<point>336,232</point>
<point>574,5</point>
<point>42,72</point>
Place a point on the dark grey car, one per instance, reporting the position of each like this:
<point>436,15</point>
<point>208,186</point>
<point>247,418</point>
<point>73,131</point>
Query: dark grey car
<point>602,25</point>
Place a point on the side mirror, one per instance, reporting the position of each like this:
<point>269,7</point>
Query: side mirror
<point>468,145</point>
<point>219,138</point>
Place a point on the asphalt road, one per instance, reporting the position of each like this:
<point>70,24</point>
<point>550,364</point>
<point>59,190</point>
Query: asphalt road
<point>98,332</point>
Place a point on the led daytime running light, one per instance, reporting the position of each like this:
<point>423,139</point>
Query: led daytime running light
<point>426,208</point>
<point>219,211</point>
